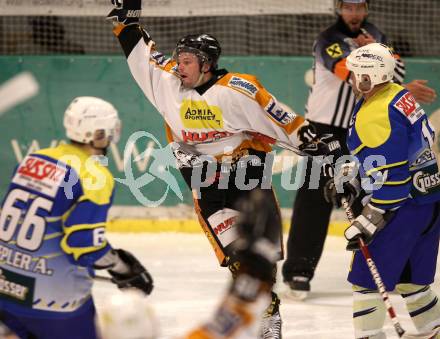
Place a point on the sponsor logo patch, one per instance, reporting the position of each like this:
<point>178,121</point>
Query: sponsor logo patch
<point>427,155</point>
<point>335,50</point>
<point>16,287</point>
<point>425,182</point>
<point>409,107</point>
<point>371,56</point>
<point>40,175</point>
<point>223,225</point>
<point>243,86</point>
<point>203,136</point>
<point>198,114</point>
<point>159,58</point>
<point>278,113</point>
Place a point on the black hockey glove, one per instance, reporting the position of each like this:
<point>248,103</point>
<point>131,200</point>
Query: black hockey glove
<point>307,133</point>
<point>325,145</point>
<point>126,12</point>
<point>137,276</point>
<point>366,226</point>
<point>345,184</point>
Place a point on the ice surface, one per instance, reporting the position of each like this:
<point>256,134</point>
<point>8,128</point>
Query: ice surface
<point>189,284</point>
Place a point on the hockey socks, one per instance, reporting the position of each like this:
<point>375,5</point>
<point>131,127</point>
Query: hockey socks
<point>368,313</point>
<point>423,306</point>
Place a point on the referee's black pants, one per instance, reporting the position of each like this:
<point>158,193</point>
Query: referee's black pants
<point>311,217</point>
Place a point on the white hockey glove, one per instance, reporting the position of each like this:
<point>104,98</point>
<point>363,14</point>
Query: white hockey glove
<point>366,226</point>
<point>126,12</point>
<point>132,275</point>
<point>345,184</point>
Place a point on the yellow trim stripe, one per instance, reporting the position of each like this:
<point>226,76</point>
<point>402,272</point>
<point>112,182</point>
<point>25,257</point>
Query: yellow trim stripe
<point>379,201</point>
<point>189,226</point>
<point>358,149</point>
<point>396,164</point>
<point>79,251</point>
<point>53,235</point>
<point>393,183</point>
<point>49,256</point>
<point>53,219</point>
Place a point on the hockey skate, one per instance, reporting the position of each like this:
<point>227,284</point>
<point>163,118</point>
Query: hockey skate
<point>271,322</point>
<point>298,288</point>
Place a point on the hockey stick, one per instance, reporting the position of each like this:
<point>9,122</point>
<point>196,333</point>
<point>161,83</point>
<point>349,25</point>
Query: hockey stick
<point>16,90</point>
<point>103,278</point>
<point>281,144</point>
<point>381,286</point>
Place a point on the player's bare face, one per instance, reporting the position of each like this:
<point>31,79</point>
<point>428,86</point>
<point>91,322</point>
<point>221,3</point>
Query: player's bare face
<point>189,69</point>
<point>353,15</point>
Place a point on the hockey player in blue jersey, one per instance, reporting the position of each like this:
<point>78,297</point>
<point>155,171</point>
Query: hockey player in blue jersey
<point>391,138</point>
<point>52,231</point>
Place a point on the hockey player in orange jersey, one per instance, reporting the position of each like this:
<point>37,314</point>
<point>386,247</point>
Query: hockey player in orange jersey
<point>208,112</point>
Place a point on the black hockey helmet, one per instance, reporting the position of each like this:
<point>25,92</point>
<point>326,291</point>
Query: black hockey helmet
<point>204,46</point>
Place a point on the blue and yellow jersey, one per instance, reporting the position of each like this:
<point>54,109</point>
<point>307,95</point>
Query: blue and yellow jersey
<point>391,136</point>
<point>52,230</point>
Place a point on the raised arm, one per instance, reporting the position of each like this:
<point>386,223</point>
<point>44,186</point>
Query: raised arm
<point>152,71</point>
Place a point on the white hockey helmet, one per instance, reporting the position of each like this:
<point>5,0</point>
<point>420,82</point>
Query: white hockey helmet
<point>373,63</point>
<point>128,315</point>
<point>86,115</point>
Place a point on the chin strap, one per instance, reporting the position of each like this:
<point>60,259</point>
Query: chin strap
<point>199,80</point>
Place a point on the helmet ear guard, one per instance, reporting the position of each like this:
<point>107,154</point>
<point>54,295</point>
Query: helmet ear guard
<point>365,84</point>
<point>371,65</point>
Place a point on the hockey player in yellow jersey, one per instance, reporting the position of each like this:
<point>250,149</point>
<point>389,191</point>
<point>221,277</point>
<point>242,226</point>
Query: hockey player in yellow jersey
<point>209,112</point>
<point>52,231</point>
<point>392,139</point>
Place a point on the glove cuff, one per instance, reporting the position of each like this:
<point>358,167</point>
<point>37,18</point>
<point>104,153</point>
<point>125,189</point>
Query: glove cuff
<point>352,232</point>
<point>375,209</point>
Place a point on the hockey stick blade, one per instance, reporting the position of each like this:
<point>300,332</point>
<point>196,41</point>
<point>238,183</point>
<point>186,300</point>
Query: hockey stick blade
<point>16,90</point>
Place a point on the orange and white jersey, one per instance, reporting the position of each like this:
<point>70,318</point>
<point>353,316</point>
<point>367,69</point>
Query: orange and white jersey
<point>233,319</point>
<point>214,117</point>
